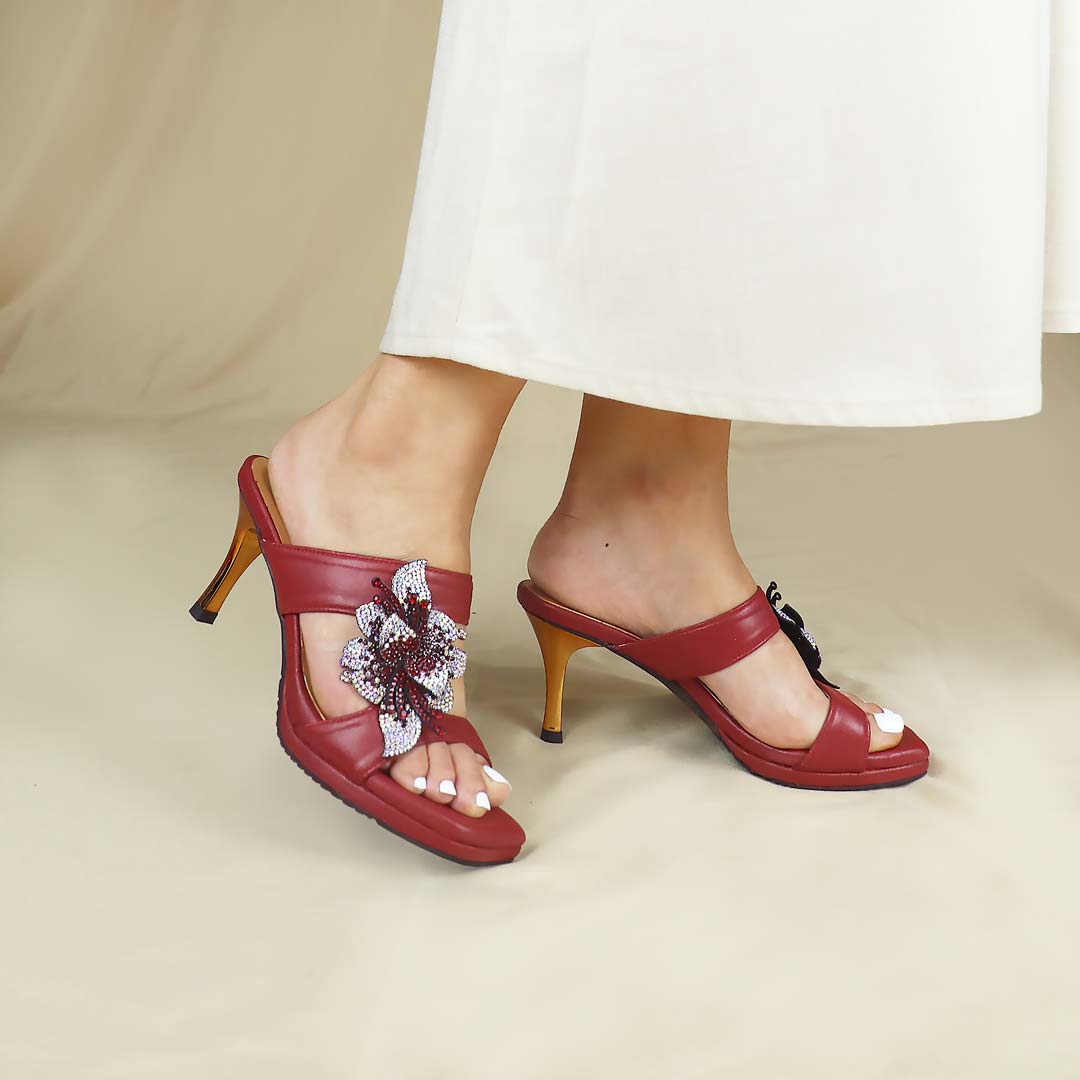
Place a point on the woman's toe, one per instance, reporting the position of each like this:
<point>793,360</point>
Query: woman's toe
<point>472,797</point>
<point>498,787</point>
<point>886,726</point>
<point>452,775</point>
<point>411,769</point>
<point>441,777</point>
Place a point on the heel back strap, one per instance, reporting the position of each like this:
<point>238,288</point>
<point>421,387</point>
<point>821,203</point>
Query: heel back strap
<point>707,646</point>
<point>313,579</point>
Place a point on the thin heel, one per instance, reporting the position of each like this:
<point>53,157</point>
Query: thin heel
<point>243,551</point>
<point>556,647</point>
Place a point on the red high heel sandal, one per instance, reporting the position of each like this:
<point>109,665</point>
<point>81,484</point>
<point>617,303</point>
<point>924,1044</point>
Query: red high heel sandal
<point>410,615</point>
<point>840,756</point>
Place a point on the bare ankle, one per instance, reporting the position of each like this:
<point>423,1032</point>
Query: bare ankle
<point>394,465</point>
<point>643,572</point>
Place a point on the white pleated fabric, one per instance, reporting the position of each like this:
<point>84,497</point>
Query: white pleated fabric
<point>1062,310</point>
<point>830,213</point>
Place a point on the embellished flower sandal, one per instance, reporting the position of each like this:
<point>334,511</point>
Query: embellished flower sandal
<point>840,756</point>
<point>410,615</point>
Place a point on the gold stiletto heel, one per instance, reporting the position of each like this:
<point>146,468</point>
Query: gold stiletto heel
<point>556,647</point>
<point>243,551</point>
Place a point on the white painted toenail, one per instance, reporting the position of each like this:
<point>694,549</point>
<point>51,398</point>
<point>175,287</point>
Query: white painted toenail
<point>420,783</point>
<point>889,722</point>
<point>483,800</point>
<point>448,787</point>
<point>495,775</point>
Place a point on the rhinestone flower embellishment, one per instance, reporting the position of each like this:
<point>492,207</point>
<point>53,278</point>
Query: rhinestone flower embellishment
<point>791,622</point>
<point>405,657</point>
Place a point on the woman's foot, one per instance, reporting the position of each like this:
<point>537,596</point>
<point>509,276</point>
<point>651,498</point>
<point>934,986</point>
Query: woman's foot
<point>368,474</point>
<point>641,539</point>
<point>640,577</point>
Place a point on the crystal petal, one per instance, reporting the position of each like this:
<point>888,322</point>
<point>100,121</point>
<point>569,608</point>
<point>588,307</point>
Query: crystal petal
<point>435,681</point>
<point>356,653</point>
<point>457,663</point>
<point>411,578</point>
<point>398,737</point>
<point>368,618</point>
<point>440,623</point>
<point>367,688</point>
<point>395,629</point>
<point>445,702</point>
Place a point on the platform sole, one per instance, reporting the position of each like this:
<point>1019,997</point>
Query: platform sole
<point>390,818</point>
<point>784,775</point>
<point>791,778</point>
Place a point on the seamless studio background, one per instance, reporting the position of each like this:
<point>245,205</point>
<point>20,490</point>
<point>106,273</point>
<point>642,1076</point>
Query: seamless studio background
<point>202,213</point>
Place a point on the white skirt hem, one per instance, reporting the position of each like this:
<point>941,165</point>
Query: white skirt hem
<point>1061,322</point>
<point>1006,404</point>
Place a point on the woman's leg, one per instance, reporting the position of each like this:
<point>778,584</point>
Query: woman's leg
<point>393,467</point>
<point>641,538</point>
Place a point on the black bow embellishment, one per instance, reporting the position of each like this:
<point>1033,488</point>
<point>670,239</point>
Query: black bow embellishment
<point>791,622</point>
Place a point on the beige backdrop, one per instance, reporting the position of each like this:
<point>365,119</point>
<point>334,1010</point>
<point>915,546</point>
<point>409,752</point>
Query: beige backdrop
<point>202,212</point>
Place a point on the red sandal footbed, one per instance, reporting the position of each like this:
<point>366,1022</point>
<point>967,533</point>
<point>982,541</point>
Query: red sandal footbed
<point>839,758</point>
<point>347,754</point>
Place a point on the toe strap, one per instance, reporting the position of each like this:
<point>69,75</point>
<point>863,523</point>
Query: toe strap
<point>456,729</point>
<point>843,744</point>
<point>353,744</point>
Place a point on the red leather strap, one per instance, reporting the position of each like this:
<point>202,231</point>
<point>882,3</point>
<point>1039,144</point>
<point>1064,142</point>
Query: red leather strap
<point>312,579</point>
<point>706,646</point>
<point>456,729</point>
<point>843,743</point>
<point>352,744</point>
